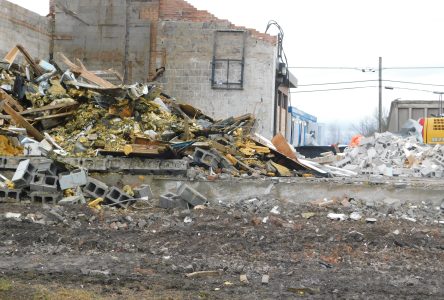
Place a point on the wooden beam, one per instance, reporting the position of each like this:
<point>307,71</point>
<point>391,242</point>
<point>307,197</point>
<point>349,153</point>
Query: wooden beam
<point>11,101</point>
<point>85,73</point>
<point>19,120</point>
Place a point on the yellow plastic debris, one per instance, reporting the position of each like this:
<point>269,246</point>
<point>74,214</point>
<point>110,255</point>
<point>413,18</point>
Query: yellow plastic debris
<point>7,148</point>
<point>129,190</point>
<point>10,184</point>
<point>68,193</point>
<point>283,171</point>
<point>96,203</point>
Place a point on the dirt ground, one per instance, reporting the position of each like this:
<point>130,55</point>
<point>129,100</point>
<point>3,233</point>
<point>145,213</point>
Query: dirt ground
<point>149,253</point>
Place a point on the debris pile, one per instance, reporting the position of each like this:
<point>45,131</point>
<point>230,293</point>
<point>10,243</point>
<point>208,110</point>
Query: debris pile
<point>390,155</point>
<point>75,113</point>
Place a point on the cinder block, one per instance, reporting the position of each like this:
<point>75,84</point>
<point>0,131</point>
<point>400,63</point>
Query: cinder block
<point>77,177</point>
<point>191,196</point>
<point>207,158</point>
<point>342,163</point>
<point>95,164</point>
<point>44,183</point>
<point>72,200</point>
<point>32,149</point>
<point>117,198</point>
<point>95,188</point>
<point>44,197</point>
<point>171,200</point>
<point>45,147</point>
<point>47,168</point>
<point>143,192</point>
<point>8,194</point>
<point>23,174</point>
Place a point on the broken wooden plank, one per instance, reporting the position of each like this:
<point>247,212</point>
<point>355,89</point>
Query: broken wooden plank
<point>37,69</point>
<point>17,118</point>
<point>48,108</point>
<point>54,116</point>
<point>82,71</point>
<point>11,101</point>
<point>11,55</point>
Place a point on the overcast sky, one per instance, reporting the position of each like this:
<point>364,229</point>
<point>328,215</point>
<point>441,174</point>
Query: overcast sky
<point>345,34</point>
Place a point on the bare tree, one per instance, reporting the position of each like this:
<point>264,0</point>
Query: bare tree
<point>370,124</point>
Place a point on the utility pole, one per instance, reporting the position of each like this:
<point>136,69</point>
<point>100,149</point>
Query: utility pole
<point>380,95</point>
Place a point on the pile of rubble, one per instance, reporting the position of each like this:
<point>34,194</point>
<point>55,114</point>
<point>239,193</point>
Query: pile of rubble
<point>77,114</point>
<point>390,155</point>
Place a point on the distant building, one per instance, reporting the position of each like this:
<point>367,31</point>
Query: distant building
<point>403,110</point>
<point>304,129</point>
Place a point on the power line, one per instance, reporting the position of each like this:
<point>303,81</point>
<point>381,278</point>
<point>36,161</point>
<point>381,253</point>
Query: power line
<point>338,89</point>
<point>365,69</point>
<point>370,80</point>
<point>338,82</point>
<point>364,87</point>
<point>416,83</point>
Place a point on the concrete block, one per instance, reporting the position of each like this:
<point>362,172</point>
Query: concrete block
<point>342,163</point>
<point>47,168</point>
<point>45,147</point>
<point>32,149</point>
<point>117,197</point>
<point>77,177</point>
<point>171,200</point>
<point>174,166</point>
<point>190,195</point>
<point>95,163</point>
<point>207,158</point>
<point>8,194</point>
<point>95,188</point>
<point>371,152</point>
<point>72,200</point>
<point>12,162</point>
<point>367,141</point>
<point>44,183</point>
<point>45,197</point>
<point>2,162</point>
<point>23,174</point>
<point>143,192</point>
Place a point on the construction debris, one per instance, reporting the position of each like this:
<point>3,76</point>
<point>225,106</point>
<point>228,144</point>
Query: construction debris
<point>77,114</point>
<point>386,154</point>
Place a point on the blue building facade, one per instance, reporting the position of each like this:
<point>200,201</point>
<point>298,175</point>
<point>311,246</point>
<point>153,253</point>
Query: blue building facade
<point>304,128</point>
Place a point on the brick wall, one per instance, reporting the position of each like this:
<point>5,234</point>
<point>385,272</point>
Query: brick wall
<point>21,26</point>
<point>180,10</point>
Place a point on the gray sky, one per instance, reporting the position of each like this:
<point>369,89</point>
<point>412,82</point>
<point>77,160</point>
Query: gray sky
<point>344,33</point>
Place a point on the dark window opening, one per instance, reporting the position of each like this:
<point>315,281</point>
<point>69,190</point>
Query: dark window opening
<point>228,60</point>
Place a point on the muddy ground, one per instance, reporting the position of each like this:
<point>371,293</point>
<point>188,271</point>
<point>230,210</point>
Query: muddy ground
<point>53,252</point>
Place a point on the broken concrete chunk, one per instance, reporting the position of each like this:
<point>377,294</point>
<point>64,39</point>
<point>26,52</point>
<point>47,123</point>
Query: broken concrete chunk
<point>339,217</point>
<point>78,177</point>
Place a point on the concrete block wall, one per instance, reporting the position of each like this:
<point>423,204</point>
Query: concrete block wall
<point>188,36</point>
<point>106,34</point>
<point>189,47</point>
<point>129,36</point>
<point>21,26</point>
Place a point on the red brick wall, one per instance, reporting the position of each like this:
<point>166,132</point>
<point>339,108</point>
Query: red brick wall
<point>181,10</point>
